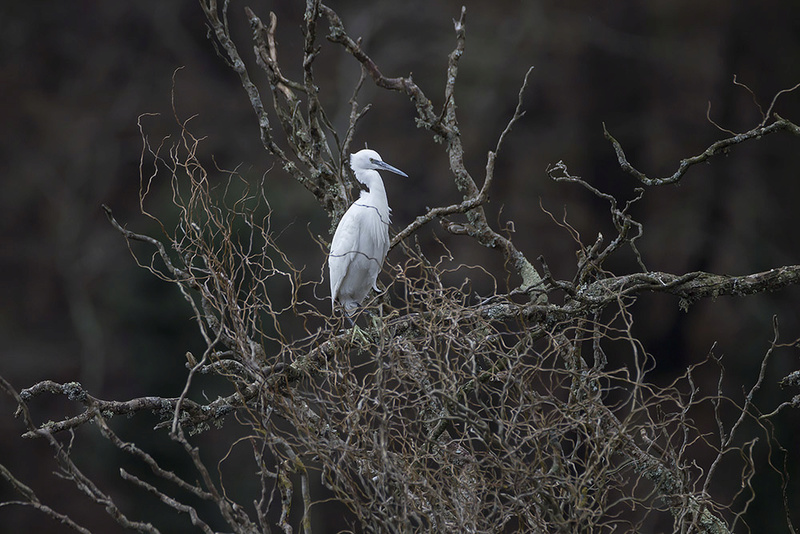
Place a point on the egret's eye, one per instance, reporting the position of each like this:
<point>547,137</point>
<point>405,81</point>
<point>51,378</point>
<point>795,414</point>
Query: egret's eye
<point>373,161</point>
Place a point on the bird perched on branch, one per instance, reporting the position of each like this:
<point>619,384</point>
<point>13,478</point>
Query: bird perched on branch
<point>361,240</point>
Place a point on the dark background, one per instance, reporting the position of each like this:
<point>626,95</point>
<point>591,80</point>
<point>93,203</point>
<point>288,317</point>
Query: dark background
<point>76,75</point>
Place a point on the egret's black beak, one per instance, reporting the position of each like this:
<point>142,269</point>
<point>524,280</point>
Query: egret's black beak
<point>387,167</point>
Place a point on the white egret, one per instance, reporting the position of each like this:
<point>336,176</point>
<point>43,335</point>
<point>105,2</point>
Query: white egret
<point>361,240</point>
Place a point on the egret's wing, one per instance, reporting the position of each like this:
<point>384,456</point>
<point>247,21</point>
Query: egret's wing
<point>372,243</point>
<point>361,239</point>
<point>344,242</point>
<point>378,236</point>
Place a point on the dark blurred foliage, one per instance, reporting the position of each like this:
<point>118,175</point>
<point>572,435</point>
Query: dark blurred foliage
<point>76,75</point>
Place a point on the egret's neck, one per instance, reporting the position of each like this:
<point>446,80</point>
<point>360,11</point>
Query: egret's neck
<point>376,194</point>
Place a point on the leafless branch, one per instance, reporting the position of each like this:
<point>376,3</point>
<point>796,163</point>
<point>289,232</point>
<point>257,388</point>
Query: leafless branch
<point>33,501</point>
<point>718,147</point>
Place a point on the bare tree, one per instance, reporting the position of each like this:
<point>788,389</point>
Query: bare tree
<point>449,411</point>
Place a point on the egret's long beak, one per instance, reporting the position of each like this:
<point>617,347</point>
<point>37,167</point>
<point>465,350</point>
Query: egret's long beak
<point>386,166</point>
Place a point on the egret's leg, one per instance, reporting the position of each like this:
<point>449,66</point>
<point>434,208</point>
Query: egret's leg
<point>357,334</point>
<point>376,319</point>
<point>343,327</point>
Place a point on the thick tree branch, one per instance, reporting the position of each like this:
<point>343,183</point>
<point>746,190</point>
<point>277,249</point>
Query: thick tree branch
<point>193,414</point>
<point>297,130</point>
<point>70,471</point>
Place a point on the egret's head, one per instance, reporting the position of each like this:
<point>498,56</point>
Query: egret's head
<point>367,159</point>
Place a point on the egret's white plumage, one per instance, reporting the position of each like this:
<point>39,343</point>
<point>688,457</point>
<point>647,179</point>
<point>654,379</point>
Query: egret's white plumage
<point>361,240</point>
